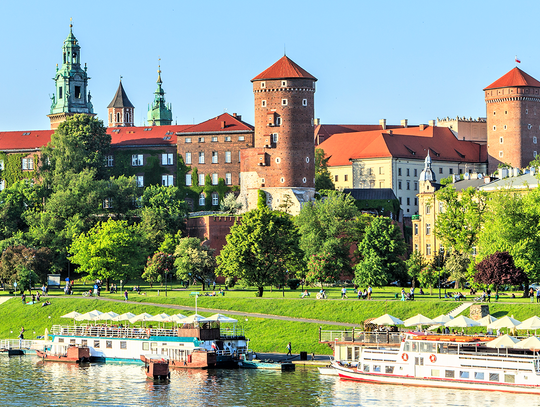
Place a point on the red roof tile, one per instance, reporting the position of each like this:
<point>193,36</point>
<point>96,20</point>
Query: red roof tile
<point>516,77</point>
<point>284,68</point>
<point>232,124</point>
<point>137,136</point>
<point>24,140</point>
<point>325,131</point>
<point>408,143</point>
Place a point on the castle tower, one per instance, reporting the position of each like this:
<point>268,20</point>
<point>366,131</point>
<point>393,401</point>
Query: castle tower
<point>282,160</point>
<point>71,82</point>
<point>121,111</point>
<point>513,119</point>
<point>159,113</point>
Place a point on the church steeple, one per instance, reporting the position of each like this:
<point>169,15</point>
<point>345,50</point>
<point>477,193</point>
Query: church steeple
<point>159,112</point>
<point>120,109</point>
<point>71,95</point>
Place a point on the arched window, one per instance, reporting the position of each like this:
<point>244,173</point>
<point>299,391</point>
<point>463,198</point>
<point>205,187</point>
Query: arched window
<point>118,117</point>
<point>202,199</point>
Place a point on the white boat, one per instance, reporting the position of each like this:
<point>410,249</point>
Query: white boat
<point>184,346</point>
<point>464,362</point>
<point>334,368</point>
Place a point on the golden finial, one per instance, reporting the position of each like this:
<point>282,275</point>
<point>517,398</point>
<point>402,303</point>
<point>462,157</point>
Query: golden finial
<point>70,22</point>
<point>159,70</point>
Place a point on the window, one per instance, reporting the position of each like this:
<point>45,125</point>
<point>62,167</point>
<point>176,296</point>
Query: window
<point>505,127</point>
<point>304,102</point>
<point>167,180</point>
<point>381,170</point>
<point>2,184</point>
<point>381,184</point>
<point>60,92</point>
<point>479,375</point>
<point>145,346</point>
<point>534,140</point>
<point>167,159</point>
<point>500,153</point>
<point>123,345</point>
<point>284,102</point>
<point>278,121</point>
<point>215,198</point>
<point>399,185</point>
<point>440,170</point>
<point>400,201</point>
<point>2,165</point>
<point>494,128</point>
<point>408,201</point>
<point>241,138</point>
<point>509,378</point>
<point>214,157</point>
<point>408,172</point>
<point>416,201</point>
<point>188,180</point>
<point>428,228</point>
<point>227,156</point>
<point>399,172</point>
<point>96,344</point>
<point>214,179</point>
<point>109,161</point>
<point>408,185</point>
<point>283,83</point>
<point>263,103</point>
<point>201,139</point>
<point>108,344</point>
<point>228,138</point>
<point>335,178</point>
<point>501,140</point>
<point>428,249</point>
<point>201,157</point>
<point>389,369</point>
<point>228,178</point>
<point>463,375</point>
<point>345,177</point>
<point>435,372</point>
<point>366,368</point>
<point>263,84</point>
<point>201,180</point>
<point>416,172</point>
<point>188,158</point>
<point>214,139</point>
<point>449,374</point>
<point>137,160</point>
<point>140,181</point>
<point>278,160</point>
<point>187,140</point>
<point>274,137</point>
<point>534,154</point>
<point>416,186</point>
<point>372,184</point>
<point>282,180</point>
<point>107,203</point>
<point>529,126</point>
<point>415,229</point>
<point>377,368</point>
<point>202,199</point>
<point>28,163</point>
<point>493,377</point>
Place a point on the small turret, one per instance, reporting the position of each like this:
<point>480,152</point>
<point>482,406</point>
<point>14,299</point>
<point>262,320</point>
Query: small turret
<point>159,112</point>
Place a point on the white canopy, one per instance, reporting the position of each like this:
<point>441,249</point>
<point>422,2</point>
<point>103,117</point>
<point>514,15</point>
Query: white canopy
<point>141,317</point>
<point>531,342</point>
<point>488,319</point>
<point>159,318</point>
<point>387,319</point>
<point>461,322</point>
<point>89,316</point>
<point>107,316</point>
<point>175,318</point>
<point>442,319</point>
<point>418,320</point>
<point>504,322</point>
<point>220,318</point>
<point>505,341</point>
<point>71,315</point>
<point>124,317</point>
<point>191,319</point>
<point>531,323</point>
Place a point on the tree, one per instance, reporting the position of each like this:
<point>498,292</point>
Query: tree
<point>380,250</point>
<point>261,249</point>
<point>415,264</point>
<point>456,265</point>
<point>230,205</point>
<point>26,278</point>
<point>323,179</point>
<point>110,249</point>
<point>157,267</point>
<point>81,142</point>
<point>321,269</point>
<point>15,258</point>
<point>460,222</point>
<point>499,269</point>
<point>194,261</point>
<point>428,277</point>
<point>15,201</point>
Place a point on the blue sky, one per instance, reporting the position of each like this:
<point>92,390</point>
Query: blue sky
<point>373,59</point>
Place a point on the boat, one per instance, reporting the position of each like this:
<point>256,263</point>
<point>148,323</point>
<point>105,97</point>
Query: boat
<point>266,364</point>
<point>67,353</point>
<point>434,360</point>
<point>156,367</point>
<point>191,346</point>
<point>333,368</point>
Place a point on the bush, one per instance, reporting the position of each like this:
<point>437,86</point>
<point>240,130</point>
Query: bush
<point>293,283</point>
<point>230,282</point>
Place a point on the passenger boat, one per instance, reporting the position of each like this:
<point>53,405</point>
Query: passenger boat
<point>204,346</point>
<point>156,367</point>
<point>451,361</point>
<point>65,353</point>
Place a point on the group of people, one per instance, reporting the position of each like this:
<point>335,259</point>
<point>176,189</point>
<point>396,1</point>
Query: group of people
<point>532,294</point>
<point>34,297</point>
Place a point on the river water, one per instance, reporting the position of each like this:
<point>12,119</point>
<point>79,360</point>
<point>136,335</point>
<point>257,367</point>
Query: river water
<point>27,381</point>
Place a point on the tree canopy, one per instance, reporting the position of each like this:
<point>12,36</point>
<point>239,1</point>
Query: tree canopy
<point>194,261</point>
<point>499,269</point>
<point>323,179</point>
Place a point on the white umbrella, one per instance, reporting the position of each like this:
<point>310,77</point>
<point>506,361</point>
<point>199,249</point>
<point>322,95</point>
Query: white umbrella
<point>159,318</point>
<point>88,316</point>
<point>107,316</point>
<point>220,318</point>
<point>505,341</point>
<point>461,322</point>
<point>387,319</point>
<point>504,322</point>
<point>530,343</point>
<point>442,319</point>
<point>71,315</point>
<point>141,317</point>
<point>191,319</point>
<point>176,318</point>
<point>418,320</point>
<point>488,319</point>
<point>124,317</point>
<point>531,323</point>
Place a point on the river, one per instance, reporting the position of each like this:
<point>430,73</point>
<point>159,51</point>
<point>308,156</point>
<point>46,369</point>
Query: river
<point>27,381</point>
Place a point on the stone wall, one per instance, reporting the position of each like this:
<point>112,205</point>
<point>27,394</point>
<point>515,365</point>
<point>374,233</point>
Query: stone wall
<point>479,311</point>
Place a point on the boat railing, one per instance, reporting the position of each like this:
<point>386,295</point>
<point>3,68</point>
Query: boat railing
<point>375,338</point>
<point>11,344</point>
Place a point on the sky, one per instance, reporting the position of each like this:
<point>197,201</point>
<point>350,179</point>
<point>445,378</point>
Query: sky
<point>415,60</point>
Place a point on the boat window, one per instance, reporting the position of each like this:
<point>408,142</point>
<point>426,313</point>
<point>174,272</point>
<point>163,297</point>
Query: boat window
<point>357,353</point>
<point>72,341</point>
<point>494,377</point>
<point>349,353</point>
<point>463,375</point>
<point>377,368</point>
<point>108,344</point>
<point>509,378</point>
<point>153,345</point>
<point>145,346</point>
<point>414,346</point>
<point>479,375</point>
<point>435,372</point>
<point>449,374</point>
<point>407,346</point>
<point>61,340</point>
<point>123,345</point>
<point>419,361</point>
<point>84,342</point>
<point>442,348</point>
<point>427,347</point>
<point>389,369</point>
<point>366,368</point>
<point>96,344</point>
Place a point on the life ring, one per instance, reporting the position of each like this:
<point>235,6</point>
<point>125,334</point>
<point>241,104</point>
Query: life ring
<point>432,358</point>
<point>405,357</point>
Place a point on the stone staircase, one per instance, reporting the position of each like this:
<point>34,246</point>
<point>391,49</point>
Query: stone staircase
<point>454,313</point>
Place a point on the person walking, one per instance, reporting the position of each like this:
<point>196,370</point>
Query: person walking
<point>369,291</point>
<point>538,294</point>
<point>343,293</point>
<point>125,295</point>
<point>289,349</point>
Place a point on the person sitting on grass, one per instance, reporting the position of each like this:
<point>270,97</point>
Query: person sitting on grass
<point>305,294</point>
<point>46,303</point>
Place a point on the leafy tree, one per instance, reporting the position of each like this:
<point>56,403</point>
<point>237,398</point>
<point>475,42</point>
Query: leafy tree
<point>15,201</point>
<point>323,179</point>
<point>26,278</point>
<point>261,249</point>
<point>194,261</point>
<point>109,250</point>
<point>321,269</point>
<point>415,264</point>
<point>456,265</point>
<point>261,199</point>
<point>16,257</point>
<point>499,269</point>
<point>380,249</point>
<point>460,222</point>
<point>428,277</point>
<point>157,267</point>
<point>230,205</point>
<point>81,142</point>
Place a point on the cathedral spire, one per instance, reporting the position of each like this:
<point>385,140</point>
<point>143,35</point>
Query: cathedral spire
<point>159,112</point>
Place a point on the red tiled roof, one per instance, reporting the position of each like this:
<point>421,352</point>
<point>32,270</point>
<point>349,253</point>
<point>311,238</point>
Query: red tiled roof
<point>136,136</point>
<point>284,68</point>
<point>408,143</point>
<point>232,124</point>
<point>516,77</point>
<point>31,140</point>
<point>325,131</point>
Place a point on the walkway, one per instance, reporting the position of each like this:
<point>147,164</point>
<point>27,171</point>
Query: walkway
<point>237,313</point>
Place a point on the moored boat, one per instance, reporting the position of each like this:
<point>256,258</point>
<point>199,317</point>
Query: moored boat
<point>266,364</point>
<point>156,367</point>
<point>67,354</point>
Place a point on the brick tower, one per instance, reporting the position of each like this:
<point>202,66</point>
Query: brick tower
<point>120,109</point>
<point>513,119</point>
<point>282,160</point>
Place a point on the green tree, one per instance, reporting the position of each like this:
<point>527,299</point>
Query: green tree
<point>230,205</point>
<point>158,267</point>
<point>415,264</point>
<point>321,269</point>
<point>194,261</point>
<point>15,201</point>
<point>81,142</point>
<point>380,249</point>
<point>499,269</point>
<point>261,199</point>
<point>457,227</point>
<point>428,277</point>
<point>261,249</point>
<point>26,278</point>
<point>15,257</point>
<point>110,250</point>
<point>456,265</point>
<point>323,179</point>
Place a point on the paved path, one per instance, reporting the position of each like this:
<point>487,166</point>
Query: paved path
<point>237,313</point>
<point>4,299</point>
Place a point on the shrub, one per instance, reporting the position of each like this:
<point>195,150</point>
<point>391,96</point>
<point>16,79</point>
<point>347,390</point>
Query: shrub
<point>293,283</point>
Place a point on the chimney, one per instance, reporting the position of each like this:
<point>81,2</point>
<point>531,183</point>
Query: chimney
<point>404,123</point>
<point>389,131</point>
<point>432,123</point>
<point>382,123</point>
<point>223,124</point>
<point>422,127</point>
